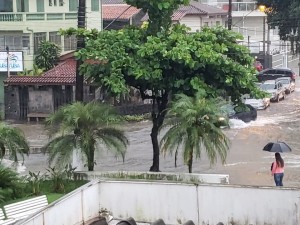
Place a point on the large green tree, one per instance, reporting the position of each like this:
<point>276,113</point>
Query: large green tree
<point>162,61</point>
<point>86,127</point>
<point>194,126</point>
<point>286,16</point>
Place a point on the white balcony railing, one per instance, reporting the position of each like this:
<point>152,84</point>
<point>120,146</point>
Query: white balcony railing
<point>21,17</point>
<point>238,6</point>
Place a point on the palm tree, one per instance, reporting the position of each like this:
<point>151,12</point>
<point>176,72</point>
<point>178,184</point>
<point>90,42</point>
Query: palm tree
<point>13,139</point>
<point>195,126</point>
<point>86,127</point>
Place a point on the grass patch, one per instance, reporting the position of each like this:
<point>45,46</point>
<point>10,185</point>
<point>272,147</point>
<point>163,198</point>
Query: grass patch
<point>46,188</point>
<point>53,197</point>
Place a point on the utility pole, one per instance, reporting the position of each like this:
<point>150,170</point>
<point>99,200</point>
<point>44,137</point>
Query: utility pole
<point>8,69</point>
<point>264,41</point>
<point>268,47</point>
<point>230,15</point>
<point>80,45</point>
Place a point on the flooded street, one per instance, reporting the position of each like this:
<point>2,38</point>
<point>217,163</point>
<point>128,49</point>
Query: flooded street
<point>246,163</point>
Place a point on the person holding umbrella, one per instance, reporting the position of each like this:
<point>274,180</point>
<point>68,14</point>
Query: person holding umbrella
<point>278,169</point>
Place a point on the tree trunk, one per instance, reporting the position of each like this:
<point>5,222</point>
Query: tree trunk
<point>90,158</point>
<point>190,162</point>
<point>158,116</point>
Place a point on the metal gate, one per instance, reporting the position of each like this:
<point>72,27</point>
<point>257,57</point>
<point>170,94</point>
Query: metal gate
<point>62,95</point>
<point>23,99</point>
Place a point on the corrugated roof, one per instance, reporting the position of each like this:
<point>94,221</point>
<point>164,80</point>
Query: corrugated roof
<point>118,11</point>
<point>63,74</point>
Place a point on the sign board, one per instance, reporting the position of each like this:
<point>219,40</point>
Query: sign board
<point>15,61</point>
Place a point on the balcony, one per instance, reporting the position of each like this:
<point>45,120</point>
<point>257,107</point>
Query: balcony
<point>239,6</point>
<point>23,17</point>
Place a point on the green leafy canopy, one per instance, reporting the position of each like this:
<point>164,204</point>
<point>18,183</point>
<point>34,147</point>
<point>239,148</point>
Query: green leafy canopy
<point>174,61</point>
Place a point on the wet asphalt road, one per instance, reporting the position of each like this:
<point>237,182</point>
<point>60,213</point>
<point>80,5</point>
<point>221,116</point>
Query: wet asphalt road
<point>246,162</point>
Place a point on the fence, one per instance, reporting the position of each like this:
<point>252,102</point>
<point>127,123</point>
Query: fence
<point>175,203</point>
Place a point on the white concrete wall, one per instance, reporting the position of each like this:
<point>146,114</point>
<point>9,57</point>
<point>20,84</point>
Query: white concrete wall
<point>196,22</point>
<point>175,203</point>
<point>74,209</point>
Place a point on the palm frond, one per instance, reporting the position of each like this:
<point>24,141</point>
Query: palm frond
<point>113,139</point>
<point>14,140</point>
<point>193,125</point>
<point>87,123</point>
<point>61,149</point>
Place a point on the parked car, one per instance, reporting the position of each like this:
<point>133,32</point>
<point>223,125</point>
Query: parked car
<point>246,113</point>
<point>287,83</point>
<point>262,103</point>
<point>274,73</point>
<point>274,88</point>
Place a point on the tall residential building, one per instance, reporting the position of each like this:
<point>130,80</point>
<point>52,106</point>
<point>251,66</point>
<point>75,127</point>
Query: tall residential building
<point>249,21</point>
<point>25,23</point>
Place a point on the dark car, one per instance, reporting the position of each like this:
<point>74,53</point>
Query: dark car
<point>246,113</point>
<point>275,73</point>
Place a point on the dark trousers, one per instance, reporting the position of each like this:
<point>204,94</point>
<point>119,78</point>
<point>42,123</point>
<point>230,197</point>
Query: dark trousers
<point>278,179</point>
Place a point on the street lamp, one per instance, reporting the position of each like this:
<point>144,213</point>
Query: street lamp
<point>263,8</point>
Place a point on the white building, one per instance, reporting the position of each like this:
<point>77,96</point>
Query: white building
<point>25,23</point>
<point>248,20</point>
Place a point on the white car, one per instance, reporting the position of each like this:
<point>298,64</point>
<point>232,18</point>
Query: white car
<point>287,83</point>
<point>258,103</point>
<point>275,89</point>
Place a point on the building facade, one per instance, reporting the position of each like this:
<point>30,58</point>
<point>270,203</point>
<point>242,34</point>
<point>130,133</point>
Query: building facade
<point>25,23</point>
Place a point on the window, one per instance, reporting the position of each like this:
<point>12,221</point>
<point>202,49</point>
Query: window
<point>55,38</point>
<point>218,23</point>
<point>73,5</point>
<point>70,43</point>
<point>14,42</point>
<point>52,2</point>
<point>95,5</point>
<point>38,38</point>
<point>6,5</point>
<point>206,24</point>
<point>22,6</point>
<point>40,6</point>
<point>61,3</point>
<point>26,44</point>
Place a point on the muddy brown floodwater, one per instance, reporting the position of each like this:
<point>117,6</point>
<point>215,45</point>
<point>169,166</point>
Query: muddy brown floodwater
<point>246,163</point>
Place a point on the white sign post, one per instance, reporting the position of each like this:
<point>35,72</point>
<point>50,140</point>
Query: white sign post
<point>15,61</point>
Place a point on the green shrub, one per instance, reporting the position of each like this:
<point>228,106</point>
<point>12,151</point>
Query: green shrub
<point>11,185</point>
<point>34,182</point>
<point>57,177</point>
<point>8,177</point>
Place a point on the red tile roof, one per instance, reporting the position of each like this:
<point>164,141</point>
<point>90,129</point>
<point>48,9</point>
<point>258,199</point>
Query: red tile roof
<point>118,11</point>
<point>63,74</point>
